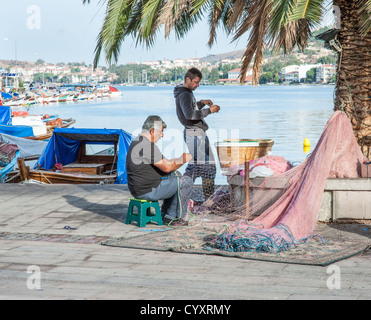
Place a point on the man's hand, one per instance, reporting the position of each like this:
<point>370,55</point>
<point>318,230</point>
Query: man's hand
<point>170,165</point>
<point>207,102</point>
<point>214,108</point>
<point>186,157</point>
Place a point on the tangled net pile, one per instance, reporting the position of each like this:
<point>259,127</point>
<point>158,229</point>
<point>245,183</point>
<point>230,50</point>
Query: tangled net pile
<point>283,208</point>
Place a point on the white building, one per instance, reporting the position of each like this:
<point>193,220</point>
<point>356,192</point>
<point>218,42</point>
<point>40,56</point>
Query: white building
<point>303,69</point>
<point>152,64</point>
<point>296,73</point>
<point>289,74</point>
<point>166,64</point>
<point>234,74</point>
<point>325,72</point>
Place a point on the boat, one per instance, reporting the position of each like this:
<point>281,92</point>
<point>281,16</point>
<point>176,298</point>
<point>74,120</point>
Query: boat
<point>12,148</point>
<point>68,158</point>
<point>29,126</point>
<point>54,94</point>
<point>114,92</point>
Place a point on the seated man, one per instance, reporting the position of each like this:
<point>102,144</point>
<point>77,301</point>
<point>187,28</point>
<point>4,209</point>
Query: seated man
<point>153,177</point>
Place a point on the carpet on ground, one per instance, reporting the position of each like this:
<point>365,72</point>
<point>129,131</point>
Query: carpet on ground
<point>199,240</point>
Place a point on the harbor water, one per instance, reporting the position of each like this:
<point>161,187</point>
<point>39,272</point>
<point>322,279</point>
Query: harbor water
<point>286,114</point>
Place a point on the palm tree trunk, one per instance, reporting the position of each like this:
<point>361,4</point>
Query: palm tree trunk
<point>353,87</point>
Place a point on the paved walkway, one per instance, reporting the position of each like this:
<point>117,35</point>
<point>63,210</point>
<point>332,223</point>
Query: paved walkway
<point>88,270</point>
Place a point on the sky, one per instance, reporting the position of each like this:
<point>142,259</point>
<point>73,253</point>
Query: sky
<point>66,31</point>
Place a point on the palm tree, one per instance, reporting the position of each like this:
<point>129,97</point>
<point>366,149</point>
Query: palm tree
<point>269,24</point>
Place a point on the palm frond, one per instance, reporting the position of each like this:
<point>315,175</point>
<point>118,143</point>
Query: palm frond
<point>88,1</point>
<point>148,23</point>
<point>365,14</point>
<point>190,17</point>
<point>311,10</point>
<point>171,12</point>
<point>256,20</point>
<point>238,10</point>
<point>112,33</point>
<point>216,13</point>
<point>281,11</point>
<point>180,16</point>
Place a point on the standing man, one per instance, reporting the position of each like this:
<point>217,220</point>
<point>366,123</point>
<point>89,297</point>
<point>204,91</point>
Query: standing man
<point>191,115</point>
<point>153,177</point>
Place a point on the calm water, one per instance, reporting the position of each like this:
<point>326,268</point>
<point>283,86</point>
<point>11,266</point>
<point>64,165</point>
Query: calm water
<point>286,114</point>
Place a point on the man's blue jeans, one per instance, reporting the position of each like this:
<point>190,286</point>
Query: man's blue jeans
<point>174,203</point>
<point>203,161</point>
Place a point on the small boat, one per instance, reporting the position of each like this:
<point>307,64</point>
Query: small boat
<point>114,92</point>
<point>21,124</point>
<point>59,123</point>
<point>12,148</point>
<point>63,98</point>
<point>68,158</point>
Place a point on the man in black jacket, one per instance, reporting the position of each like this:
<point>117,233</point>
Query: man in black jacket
<point>191,115</point>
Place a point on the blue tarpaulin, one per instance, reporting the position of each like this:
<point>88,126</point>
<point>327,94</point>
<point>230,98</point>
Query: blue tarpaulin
<point>5,114</point>
<point>64,145</point>
<point>17,131</point>
<point>7,127</point>
<point>6,96</point>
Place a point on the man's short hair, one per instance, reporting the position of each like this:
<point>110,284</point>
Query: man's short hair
<point>153,122</point>
<point>193,73</point>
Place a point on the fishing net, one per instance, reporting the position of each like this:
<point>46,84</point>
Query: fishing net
<point>7,153</point>
<point>282,209</point>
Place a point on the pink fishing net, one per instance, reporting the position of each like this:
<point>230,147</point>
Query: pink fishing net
<point>283,208</point>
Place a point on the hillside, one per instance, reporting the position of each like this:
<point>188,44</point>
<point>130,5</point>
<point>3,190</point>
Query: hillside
<point>214,58</point>
<point>314,51</point>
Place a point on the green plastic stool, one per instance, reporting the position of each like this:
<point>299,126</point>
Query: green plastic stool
<point>144,212</point>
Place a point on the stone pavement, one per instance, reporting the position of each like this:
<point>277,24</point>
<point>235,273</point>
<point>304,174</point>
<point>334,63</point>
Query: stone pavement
<point>85,269</point>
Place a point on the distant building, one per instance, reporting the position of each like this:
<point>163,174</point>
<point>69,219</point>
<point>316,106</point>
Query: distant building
<point>289,74</point>
<point>296,73</point>
<point>325,72</point>
<point>234,76</point>
<point>303,69</point>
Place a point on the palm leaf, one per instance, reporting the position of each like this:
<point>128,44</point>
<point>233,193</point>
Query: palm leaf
<point>112,33</point>
<point>312,10</point>
<point>365,14</point>
<point>257,20</point>
<point>148,23</point>
<point>216,13</point>
<point>171,13</point>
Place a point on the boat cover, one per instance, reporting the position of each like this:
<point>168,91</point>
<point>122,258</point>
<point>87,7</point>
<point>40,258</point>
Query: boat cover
<point>63,147</point>
<point>5,114</point>
<point>6,96</point>
<point>26,148</point>
<point>7,128</point>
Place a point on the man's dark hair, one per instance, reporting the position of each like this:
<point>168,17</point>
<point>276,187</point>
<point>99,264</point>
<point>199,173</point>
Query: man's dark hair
<point>193,73</point>
<point>153,122</point>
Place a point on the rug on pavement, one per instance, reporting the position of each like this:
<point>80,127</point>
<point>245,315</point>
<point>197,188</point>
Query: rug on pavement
<point>199,240</point>
<point>66,238</point>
